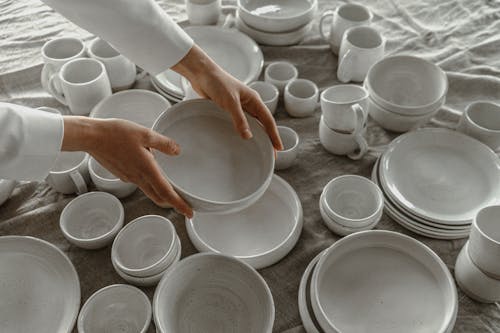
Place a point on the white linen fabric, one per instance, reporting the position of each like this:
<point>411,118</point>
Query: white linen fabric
<point>462,36</point>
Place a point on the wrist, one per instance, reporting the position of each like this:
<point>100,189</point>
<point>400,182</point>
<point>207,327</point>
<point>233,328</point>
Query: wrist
<point>195,64</point>
<point>80,133</point>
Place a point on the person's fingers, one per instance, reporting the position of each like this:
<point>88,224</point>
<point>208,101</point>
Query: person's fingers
<point>151,194</point>
<point>233,105</point>
<point>260,111</point>
<point>162,143</point>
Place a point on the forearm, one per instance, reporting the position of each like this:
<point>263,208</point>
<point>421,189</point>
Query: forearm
<point>195,64</point>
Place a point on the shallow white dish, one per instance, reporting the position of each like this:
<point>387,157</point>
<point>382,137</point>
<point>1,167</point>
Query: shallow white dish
<point>116,308</point>
<point>309,322</point>
<point>209,292</point>
<point>382,281</point>
<point>212,150</point>
<point>273,38</point>
<point>137,105</point>
<point>39,288</point>
<point>164,93</point>
<point>277,15</point>
<point>6,188</point>
<point>259,235</point>
<point>455,175</point>
<point>170,82</point>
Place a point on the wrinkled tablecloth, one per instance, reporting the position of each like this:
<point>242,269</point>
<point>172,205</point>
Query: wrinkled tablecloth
<point>462,36</point>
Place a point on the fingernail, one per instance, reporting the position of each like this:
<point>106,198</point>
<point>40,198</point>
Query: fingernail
<point>247,134</point>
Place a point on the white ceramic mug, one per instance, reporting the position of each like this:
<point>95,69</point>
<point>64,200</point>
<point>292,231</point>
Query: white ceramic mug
<point>286,157</point>
<point>57,52</point>
<point>353,145</point>
<point>279,73</point>
<point>203,12</point>
<point>122,72</point>
<point>107,182</point>
<point>301,98</point>
<point>337,106</point>
<point>480,120</point>
<point>344,17</point>
<point>361,47</point>
<point>70,173</point>
<point>80,84</point>
<point>268,93</point>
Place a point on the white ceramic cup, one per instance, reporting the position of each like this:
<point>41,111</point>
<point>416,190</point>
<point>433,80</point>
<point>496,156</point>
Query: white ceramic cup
<point>107,182</point>
<point>57,52</point>
<point>80,84</point>
<point>344,17</point>
<point>337,106</point>
<point>121,71</point>
<point>301,98</point>
<point>361,47</point>
<point>280,73</point>
<point>203,12</point>
<point>70,173</point>
<point>353,145</point>
<point>268,93</point>
<point>484,242</point>
<point>286,157</point>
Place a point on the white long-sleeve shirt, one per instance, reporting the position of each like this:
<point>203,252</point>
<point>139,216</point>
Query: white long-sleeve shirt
<point>30,140</point>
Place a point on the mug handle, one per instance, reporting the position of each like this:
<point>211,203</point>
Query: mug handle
<point>363,148</point>
<point>81,185</point>
<point>323,17</point>
<point>445,124</point>
<point>361,117</point>
<point>54,88</point>
<point>343,71</point>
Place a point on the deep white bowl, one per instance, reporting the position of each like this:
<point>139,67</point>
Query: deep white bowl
<point>145,246</point>
<point>209,292</point>
<point>116,308</point>
<point>277,16</point>
<point>92,220</point>
<point>211,149</point>
<point>407,85</point>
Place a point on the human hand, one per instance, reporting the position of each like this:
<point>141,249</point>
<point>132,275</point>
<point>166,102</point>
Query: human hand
<point>124,149</point>
<point>212,82</point>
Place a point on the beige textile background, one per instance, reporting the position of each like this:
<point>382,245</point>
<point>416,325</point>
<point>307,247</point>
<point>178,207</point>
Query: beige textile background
<point>462,36</point>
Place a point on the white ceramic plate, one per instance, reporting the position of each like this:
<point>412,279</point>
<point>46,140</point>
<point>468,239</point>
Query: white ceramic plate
<point>163,92</point>
<point>217,171</point>
<point>440,175</point>
<point>137,105</point>
<point>170,82</point>
<point>39,287</point>
<point>260,235</point>
<point>383,281</point>
<point>309,322</point>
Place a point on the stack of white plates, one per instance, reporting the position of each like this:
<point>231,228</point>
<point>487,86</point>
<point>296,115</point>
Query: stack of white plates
<point>275,22</point>
<point>235,52</point>
<point>436,180</point>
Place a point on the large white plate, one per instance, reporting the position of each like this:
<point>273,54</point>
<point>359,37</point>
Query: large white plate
<point>260,235</point>
<point>383,281</point>
<point>441,175</point>
<point>309,322</point>
<point>39,287</point>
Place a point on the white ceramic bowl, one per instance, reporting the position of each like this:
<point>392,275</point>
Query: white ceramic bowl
<point>145,246</point>
<point>149,281</point>
<point>281,16</point>
<point>397,122</point>
<point>285,158</point>
<point>209,292</point>
<point>382,281</point>
<point>260,235</point>
<point>211,150</point>
<point>137,105</point>
<point>107,182</point>
<point>340,229</point>
<point>309,321</point>
<point>268,93</point>
<point>407,85</point>
<point>472,281</point>
<point>279,73</point>
<point>352,201</point>
<point>92,220</point>
<point>116,308</point>
<point>6,188</point>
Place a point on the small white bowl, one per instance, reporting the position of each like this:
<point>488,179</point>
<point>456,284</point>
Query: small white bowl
<point>145,246</point>
<point>407,85</point>
<point>116,308</point>
<point>270,17</point>
<point>279,73</point>
<point>286,157</point>
<point>397,122</point>
<point>209,292</point>
<point>107,182</point>
<point>149,281</point>
<point>6,188</point>
<point>473,282</point>
<point>301,98</point>
<point>268,93</point>
<point>340,229</point>
<point>92,220</point>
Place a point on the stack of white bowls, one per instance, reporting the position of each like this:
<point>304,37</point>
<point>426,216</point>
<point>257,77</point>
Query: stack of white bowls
<point>278,24</point>
<point>351,203</point>
<point>405,92</point>
<point>144,249</point>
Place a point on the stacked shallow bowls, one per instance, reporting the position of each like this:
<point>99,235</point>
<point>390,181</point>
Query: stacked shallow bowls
<point>278,23</point>
<point>405,92</point>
